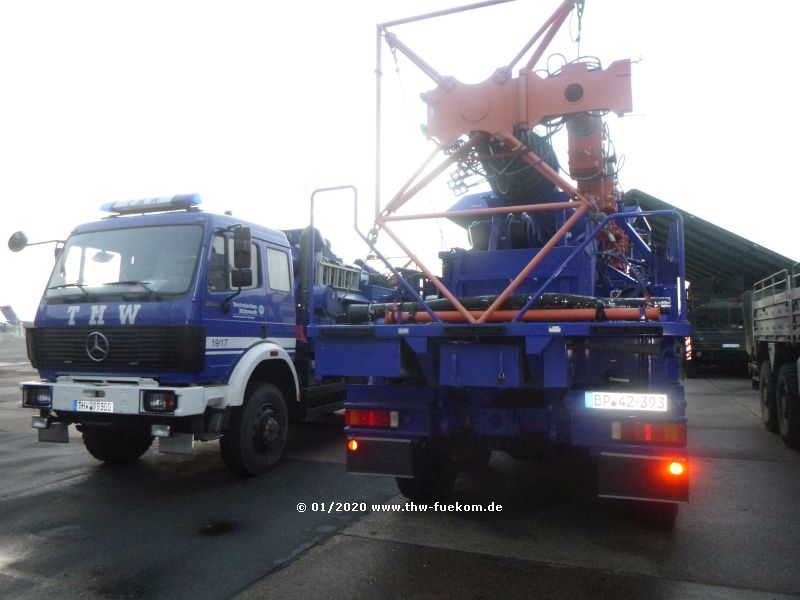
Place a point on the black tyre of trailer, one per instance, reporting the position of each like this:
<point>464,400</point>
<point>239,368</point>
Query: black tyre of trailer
<point>114,445</point>
<point>256,437</point>
<point>788,405</point>
<point>767,381</point>
<point>435,474</point>
<point>691,369</point>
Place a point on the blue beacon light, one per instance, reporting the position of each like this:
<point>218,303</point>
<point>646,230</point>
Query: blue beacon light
<point>145,205</point>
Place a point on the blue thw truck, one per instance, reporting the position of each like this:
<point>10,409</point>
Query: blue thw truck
<point>561,327</point>
<point>164,321</point>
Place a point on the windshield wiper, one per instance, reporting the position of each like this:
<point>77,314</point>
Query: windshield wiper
<point>80,286</point>
<point>69,285</point>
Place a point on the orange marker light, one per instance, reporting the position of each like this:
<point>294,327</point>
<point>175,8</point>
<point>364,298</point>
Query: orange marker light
<point>352,445</point>
<point>675,468</point>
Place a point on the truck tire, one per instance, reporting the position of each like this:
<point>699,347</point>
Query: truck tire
<point>116,446</point>
<point>788,405</point>
<point>767,381</point>
<point>691,369</point>
<point>256,437</point>
<point>435,474</point>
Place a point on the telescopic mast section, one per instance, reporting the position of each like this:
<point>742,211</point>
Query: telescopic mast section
<point>493,111</point>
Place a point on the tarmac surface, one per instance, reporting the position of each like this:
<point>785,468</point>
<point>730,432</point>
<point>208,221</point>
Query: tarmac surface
<point>170,527</point>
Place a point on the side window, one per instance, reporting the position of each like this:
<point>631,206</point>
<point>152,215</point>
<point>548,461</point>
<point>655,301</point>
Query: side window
<point>220,264</point>
<point>217,265</point>
<point>278,268</point>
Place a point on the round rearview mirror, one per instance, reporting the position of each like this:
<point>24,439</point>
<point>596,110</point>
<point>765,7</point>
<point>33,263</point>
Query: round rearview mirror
<point>17,241</point>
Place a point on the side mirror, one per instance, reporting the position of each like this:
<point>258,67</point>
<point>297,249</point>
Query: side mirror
<point>241,278</point>
<point>242,239</point>
<point>17,241</point>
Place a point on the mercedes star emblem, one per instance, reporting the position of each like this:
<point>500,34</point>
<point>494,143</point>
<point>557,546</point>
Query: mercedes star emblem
<point>97,346</point>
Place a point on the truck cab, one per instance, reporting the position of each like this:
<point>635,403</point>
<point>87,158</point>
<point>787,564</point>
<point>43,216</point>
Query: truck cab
<point>164,321</point>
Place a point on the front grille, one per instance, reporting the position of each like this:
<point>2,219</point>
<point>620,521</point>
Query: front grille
<point>139,349</point>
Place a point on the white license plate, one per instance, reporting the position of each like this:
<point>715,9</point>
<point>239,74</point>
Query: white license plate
<point>626,401</point>
<point>730,345</point>
<point>100,406</point>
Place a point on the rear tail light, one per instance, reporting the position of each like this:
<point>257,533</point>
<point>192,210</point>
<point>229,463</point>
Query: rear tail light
<point>352,445</point>
<point>37,396</point>
<point>673,434</point>
<point>371,418</point>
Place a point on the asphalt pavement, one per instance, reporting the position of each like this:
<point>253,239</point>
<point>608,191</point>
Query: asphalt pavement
<point>171,527</point>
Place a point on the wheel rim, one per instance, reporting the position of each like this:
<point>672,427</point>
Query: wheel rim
<point>266,430</point>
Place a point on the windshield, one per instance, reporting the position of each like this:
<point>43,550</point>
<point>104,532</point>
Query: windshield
<point>719,318</point>
<point>141,262</point>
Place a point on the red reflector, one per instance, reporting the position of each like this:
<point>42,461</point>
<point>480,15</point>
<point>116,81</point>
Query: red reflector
<point>655,433</point>
<point>370,418</point>
<point>352,445</point>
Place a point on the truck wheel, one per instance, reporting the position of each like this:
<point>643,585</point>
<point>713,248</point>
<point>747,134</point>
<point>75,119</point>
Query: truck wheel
<point>766,387</point>
<point>116,446</point>
<point>691,369</point>
<point>257,435</point>
<point>435,474</point>
<point>788,404</point>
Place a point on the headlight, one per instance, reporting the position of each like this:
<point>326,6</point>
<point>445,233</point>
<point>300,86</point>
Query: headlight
<point>157,401</point>
<point>37,396</point>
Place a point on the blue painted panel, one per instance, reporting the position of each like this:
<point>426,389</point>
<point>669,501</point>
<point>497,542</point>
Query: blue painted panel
<point>476,273</point>
<point>484,365</point>
<point>358,357</point>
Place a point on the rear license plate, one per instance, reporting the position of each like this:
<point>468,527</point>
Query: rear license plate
<point>93,406</point>
<point>626,401</point>
<point>730,345</point>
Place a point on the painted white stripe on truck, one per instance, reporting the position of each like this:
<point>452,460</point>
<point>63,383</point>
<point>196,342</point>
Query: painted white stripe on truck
<point>236,345</point>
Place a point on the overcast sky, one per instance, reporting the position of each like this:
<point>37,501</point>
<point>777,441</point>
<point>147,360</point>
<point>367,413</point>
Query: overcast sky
<point>256,104</point>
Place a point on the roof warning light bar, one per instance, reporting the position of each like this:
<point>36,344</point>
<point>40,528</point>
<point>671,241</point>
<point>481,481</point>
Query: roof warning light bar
<point>146,205</point>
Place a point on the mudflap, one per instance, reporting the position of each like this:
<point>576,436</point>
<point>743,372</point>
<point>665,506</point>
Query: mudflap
<point>643,477</point>
<point>55,432</point>
<point>376,456</point>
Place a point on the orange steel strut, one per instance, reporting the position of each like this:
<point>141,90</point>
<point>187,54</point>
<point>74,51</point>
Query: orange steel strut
<point>502,104</point>
<point>533,315</point>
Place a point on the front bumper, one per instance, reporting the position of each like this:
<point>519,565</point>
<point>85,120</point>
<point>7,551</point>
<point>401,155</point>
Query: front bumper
<point>123,397</point>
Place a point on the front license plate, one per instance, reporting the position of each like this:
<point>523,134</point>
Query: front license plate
<point>93,406</point>
<point>730,345</point>
<point>626,401</point>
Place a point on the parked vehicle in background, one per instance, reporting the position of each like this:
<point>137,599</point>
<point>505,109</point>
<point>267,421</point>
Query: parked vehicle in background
<point>772,324</point>
<point>718,338</point>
